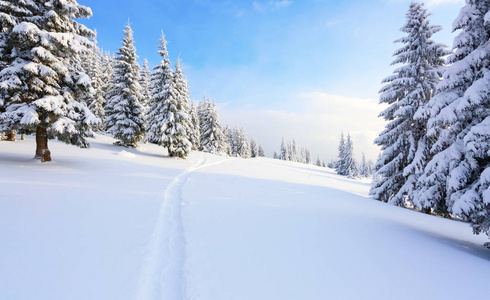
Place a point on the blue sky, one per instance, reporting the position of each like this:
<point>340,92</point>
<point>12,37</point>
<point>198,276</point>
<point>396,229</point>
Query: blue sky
<point>300,69</point>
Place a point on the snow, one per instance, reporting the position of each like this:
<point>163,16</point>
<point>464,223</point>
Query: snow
<point>122,223</point>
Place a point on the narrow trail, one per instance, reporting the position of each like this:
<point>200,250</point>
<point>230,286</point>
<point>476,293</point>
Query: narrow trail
<point>162,274</point>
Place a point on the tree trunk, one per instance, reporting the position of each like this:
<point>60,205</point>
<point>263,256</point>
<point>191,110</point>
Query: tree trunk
<point>42,151</point>
<point>11,136</point>
<point>22,137</point>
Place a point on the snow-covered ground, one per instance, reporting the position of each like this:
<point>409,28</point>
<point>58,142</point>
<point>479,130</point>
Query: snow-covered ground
<point>116,223</point>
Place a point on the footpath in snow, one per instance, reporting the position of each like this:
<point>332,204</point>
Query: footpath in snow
<point>116,223</point>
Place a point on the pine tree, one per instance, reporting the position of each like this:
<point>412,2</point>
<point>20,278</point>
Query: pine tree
<point>294,151</point>
<point>318,161</point>
<point>261,152</point>
<point>403,143</point>
<point>364,169</point>
<point>180,143</point>
<point>35,51</point>
<point>352,169</point>
<point>302,155</point>
<point>456,179</point>
<point>340,166</point>
<point>107,66</point>
<point>282,151</point>
<point>289,151</point>
<point>145,85</point>
<point>124,116</point>
<point>213,139</point>
<point>95,73</point>
<point>254,150</point>
<point>308,157</point>
<point>163,95</point>
<point>194,136</point>
<point>243,149</point>
<point>168,119</point>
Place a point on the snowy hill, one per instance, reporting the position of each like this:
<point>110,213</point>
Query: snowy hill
<point>117,223</point>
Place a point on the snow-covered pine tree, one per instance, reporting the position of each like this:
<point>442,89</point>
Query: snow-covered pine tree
<point>243,149</point>
<point>294,151</point>
<point>363,167</point>
<point>276,155</point>
<point>9,17</point>
<point>458,175</point>
<point>350,163</point>
<point>254,150</point>
<point>289,151</point>
<point>308,159</point>
<point>261,152</point>
<point>167,117</point>
<point>340,166</point>
<point>283,150</point>
<point>302,155</point>
<point>107,66</point>
<point>213,139</point>
<point>180,135</point>
<point>145,85</point>
<point>231,135</point>
<point>228,135</point>
<point>95,73</point>
<point>318,161</point>
<point>44,48</point>
<point>403,143</point>
<point>194,136</point>
<point>124,116</point>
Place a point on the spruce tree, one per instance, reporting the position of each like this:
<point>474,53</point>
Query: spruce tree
<point>352,170</point>
<point>167,117</point>
<point>282,150</point>
<point>107,66</point>
<point>308,159</point>
<point>456,179</point>
<point>261,152</point>
<point>42,82</point>
<point>163,96</point>
<point>124,116</point>
<point>145,82</point>
<point>403,143</point>
<point>294,152</point>
<point>254,150</point>
<point>340,166</point>
<point>95,73</point>
<point>231,135</point>
<point>179,130</point>
<point>194,136</point>
<point>364,169</point>
<point>213,139</point>
<point>243,148</point>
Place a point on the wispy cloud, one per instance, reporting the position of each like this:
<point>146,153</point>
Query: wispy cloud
<point>262,6</point>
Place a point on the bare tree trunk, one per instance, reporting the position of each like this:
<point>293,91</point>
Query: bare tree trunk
<point>22,137</point>
<point>42,150</point>
<point>11,136</point>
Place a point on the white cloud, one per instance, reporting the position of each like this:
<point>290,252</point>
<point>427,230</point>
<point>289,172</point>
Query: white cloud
<point>316,123</point>
<point>271,5</point>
